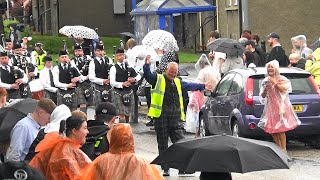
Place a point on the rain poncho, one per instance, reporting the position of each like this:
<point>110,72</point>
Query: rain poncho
<point>121,163</point>
<point>314,67</point>
<point>192,116</point>
<point>59,157</point>
<point>278,115</point>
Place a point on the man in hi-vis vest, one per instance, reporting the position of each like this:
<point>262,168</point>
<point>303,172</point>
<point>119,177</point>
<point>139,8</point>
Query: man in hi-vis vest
<point>167,104</point>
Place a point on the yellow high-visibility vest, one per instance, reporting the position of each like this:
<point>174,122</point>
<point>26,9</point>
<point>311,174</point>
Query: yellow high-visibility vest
<point>157,95</point>
<point>39,60</point>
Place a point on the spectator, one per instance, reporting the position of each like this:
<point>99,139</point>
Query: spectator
<point>3,97</point>
<point>297,61</point>
<point>106,114</point>
<point>299,44</point>
<point>121,162</point>
<point>277,52</point>
<point>314,67</point>
<point>213,35</point>
<point>80,114</point>
<point>60,113</point>
<point>258,58</point>
<point>248,59</point>
<point>278,115</point>
<point>246,35</point>
<point>60,157</point>
<point>26,130</point>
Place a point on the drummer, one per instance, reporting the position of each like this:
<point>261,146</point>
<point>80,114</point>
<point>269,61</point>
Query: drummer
<point>82,62</point>
<point>46,79</point>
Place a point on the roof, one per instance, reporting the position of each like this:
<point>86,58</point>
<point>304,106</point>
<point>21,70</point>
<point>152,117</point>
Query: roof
<point>262,71</point>
<point>168,7</point>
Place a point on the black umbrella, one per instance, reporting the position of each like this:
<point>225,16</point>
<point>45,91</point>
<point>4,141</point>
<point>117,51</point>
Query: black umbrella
<point>10,115</point>
<point>229,46</point>
<point>223,153</point>
<point>128,34</point>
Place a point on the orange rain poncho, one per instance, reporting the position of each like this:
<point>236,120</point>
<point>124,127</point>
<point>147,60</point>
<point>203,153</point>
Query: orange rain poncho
<point>121,163</point>
<point>59,157</point>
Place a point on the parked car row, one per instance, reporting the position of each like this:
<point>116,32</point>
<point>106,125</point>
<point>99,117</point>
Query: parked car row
<point>234,107</point>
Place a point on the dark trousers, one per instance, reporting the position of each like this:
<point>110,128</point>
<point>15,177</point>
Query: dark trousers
<point>168,125</point>
<point>147,92</point>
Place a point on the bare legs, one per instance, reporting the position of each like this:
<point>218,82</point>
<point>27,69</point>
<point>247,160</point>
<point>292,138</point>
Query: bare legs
<point>280,139</point>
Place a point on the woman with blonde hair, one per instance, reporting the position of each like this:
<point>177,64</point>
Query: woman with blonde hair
<point>278,115</point>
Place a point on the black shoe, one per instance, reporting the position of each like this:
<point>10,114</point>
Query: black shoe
<point>150,123</point>
<point>166,173</point>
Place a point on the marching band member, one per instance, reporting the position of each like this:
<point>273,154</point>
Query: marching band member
<point>12,79</point>
<point>99,75</point>
<point>122,79</point>
<point>66,77</point>
<point>46,78</point>
<point>82,63</point>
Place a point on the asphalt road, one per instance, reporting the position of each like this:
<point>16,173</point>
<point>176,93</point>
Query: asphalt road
<point>307,159</point>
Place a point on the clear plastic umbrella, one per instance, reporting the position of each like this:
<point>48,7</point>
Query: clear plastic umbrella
<point>79,32</point>
<point>160,39</point>
<point>136,57</point>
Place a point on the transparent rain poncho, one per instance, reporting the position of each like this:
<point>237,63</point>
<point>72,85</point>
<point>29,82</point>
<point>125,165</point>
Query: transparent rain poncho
<point>278,115</point>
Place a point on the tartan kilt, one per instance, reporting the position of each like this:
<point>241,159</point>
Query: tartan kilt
<point>117,100</point>
<point>81,93</point>
<point>62,93</point>
<point>98,89</point>
<point>51,95</point>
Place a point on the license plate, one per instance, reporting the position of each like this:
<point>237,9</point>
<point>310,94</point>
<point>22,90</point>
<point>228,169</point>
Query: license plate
<point>297,108</point>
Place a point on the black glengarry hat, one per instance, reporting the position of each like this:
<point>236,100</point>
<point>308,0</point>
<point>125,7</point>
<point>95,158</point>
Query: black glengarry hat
<point>77,46</point>
<point>119,51</point>
<point>47,58</point>
<point>3,53</point>
<point>63,52</point>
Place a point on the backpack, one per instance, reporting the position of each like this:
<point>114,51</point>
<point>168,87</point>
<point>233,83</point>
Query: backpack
<point>96,141</point>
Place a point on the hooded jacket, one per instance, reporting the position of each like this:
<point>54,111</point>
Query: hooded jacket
<point>314,67</point>
<point>120,163</point>
<point>59,158</point>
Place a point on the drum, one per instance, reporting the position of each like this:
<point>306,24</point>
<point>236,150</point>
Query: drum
<point>36,89</point>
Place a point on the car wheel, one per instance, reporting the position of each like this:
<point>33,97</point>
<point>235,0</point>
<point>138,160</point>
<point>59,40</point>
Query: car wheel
<point>315,142</point>
<point>235,129</point>
<point>203,130</point>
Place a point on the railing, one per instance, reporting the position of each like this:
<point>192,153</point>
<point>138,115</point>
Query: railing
<point>203,24</point>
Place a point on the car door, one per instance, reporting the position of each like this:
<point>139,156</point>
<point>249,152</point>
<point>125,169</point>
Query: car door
<point>216,113</point>
<point>231,102</point>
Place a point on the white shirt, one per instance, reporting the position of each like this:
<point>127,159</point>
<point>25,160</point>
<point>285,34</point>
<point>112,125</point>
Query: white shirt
<point>44,77</point>
<point>82,58</point>
<point>57,83</point>
<point>113,72</point>
<point>92,71</point>
<point>7,86</point>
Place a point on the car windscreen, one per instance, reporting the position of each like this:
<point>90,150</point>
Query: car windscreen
<point>300,84</point>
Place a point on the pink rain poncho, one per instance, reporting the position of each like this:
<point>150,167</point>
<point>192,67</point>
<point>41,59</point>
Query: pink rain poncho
<point>278,115</point>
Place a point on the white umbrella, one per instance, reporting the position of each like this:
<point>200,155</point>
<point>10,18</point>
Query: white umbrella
<point>136,57</point>
<point>79,32</point>
<point>160,39</point>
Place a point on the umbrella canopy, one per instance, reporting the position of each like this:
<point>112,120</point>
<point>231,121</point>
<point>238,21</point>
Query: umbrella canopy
<point>79,32</point>
<point>229,46</point>
<point>160,39</point>
<point>128,34</point>
<point>223,153</point>
<point>10,115</point>
<point>136,57</point>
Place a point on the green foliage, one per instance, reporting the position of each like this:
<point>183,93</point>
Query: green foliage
<point>53,44</point>
<point>6,24</point>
